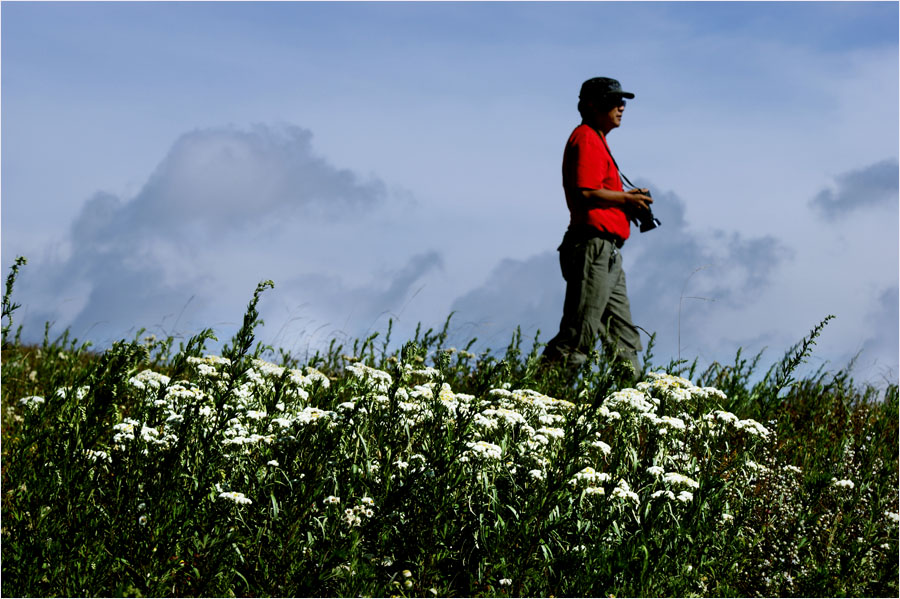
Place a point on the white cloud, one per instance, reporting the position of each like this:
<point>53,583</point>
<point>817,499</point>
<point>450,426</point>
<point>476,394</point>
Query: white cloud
<point>225,209</point>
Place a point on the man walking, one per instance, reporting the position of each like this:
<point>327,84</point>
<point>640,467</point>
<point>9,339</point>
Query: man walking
<point>596,304</point>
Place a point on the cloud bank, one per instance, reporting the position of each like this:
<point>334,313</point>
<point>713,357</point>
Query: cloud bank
<point>228,207</point>
<point>224,209</point>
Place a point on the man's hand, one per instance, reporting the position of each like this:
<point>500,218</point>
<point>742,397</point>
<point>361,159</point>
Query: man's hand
<point>636,199</point>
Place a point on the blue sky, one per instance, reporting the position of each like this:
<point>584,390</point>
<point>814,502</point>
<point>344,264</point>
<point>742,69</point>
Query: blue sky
<point>401,160</point>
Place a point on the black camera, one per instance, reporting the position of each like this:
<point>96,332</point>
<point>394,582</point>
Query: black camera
<point>643,217</point>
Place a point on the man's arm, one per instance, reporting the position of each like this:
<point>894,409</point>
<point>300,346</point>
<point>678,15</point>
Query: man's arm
<point>605,198</point>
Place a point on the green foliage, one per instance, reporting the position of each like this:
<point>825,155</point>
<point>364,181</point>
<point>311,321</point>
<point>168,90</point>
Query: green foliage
<point>429,470</point>
<point>8,305</point>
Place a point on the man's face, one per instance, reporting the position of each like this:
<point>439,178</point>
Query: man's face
<point>610,112</point>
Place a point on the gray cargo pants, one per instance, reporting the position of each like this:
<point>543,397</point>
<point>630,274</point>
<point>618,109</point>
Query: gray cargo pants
<point>596,305</point>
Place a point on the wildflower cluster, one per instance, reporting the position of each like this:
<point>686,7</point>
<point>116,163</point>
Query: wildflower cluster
<point>353,517</point>
<point>238,498</point>
<point>376,475</point>
<point>590,480</point>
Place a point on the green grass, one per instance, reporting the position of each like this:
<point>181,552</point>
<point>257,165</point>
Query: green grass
<point>147,470</point>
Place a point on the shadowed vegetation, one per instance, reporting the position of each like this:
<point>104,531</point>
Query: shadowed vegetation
<point>147,470</point>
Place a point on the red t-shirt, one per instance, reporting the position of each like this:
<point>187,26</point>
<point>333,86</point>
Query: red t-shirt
<point>588,165</point>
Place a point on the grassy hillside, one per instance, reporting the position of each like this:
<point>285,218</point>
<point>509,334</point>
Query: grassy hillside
<point>148,470</point>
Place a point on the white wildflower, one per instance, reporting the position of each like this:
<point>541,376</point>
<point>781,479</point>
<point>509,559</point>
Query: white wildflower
<point>509,417</point>
<point>314,376</point>
<point>32,401</point>
<point>351,519</point>
<point>629,400</point>
<point>248,440</point>
<point>97,455</point>
<point>709,393</point>
<point>174,417</point>
<point>675,478</point>
<point>603,447</point>
<point>236,497</point>
<point>842,484</point>
<point>753,427</point>
<point>685,496</point>
<point>178,392</point>
<point>755,467</point>
<point>427,372</point>
<point>311,414</point>
<point>66,393</point>
<point>651,418</point>
<point>537,441</point>
<point>589,476</point>
<point>671,386</point>
<point>486,423</point>
<point>483,450</point>
<point>378,379</point>
<point>125,430</point>
<point>148,379</point>
<point>536,474</point>
<point>268,369</point>
<point>623,491</point>
<point>207,371</point>
<point>550,419</point>
<point>672,422</point>
<point>721,416</point>
<point>552,433</point>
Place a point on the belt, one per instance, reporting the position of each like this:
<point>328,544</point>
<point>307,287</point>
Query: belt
<point>585,232</point>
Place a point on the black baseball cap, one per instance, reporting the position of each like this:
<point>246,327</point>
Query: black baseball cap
<point>601,87</point>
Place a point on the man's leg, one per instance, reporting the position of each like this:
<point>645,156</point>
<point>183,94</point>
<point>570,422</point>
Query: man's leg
<point>585,266</point>
<point>617,316</point>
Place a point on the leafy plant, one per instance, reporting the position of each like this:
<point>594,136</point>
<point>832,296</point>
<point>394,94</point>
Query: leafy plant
<point>430,470</point>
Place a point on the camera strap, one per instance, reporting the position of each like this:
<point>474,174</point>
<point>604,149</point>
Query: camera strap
<point>651,222</point>
<point>622,176</point>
